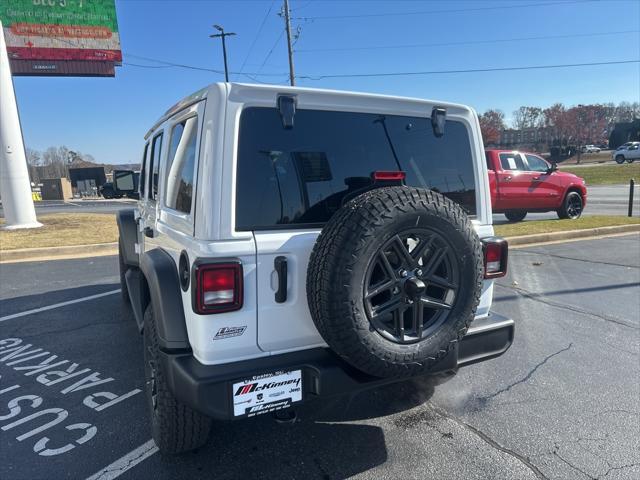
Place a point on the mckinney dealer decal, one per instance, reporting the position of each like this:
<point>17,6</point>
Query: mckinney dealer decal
<point>228,332</point>
<point>254,387</point>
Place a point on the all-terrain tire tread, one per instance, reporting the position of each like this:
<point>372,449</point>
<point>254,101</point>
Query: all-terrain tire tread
<point>180,428</point>
<point>340,244</point>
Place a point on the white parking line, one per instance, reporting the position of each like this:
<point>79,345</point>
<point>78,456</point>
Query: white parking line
<point>127,462</point>
<point>57,305</point>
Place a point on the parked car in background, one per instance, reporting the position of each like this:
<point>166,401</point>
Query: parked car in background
<point>108,191</point>
<point>523,182</point>
<point>627,152</point>
<point>590,149</point>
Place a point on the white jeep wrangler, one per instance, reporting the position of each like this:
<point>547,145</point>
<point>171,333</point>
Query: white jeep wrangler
<point>292,243</point>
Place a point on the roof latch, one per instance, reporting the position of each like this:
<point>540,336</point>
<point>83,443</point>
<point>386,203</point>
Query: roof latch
<point>438,120</point>
<point>287,108</point>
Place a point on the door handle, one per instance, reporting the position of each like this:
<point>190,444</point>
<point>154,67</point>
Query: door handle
<point>148,232</point>
<point>536,179</point>
<point>507,178</point>
<point>280,264</point>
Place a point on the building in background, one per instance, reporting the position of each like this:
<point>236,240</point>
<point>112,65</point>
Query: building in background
<point>86,182</point>
<point>56,189</point>
<point>536,139</point>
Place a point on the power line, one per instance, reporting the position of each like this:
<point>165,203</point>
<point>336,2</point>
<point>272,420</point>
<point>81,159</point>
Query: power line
<point>193,67</point>
<point>271,51</point>
<point>466,42</point>
<point>476,70</point>
<point>430,12</point>
<point>255,39</point>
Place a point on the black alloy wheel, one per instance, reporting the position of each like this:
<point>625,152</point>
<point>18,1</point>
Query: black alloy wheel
<point>411,285</point>
<point>574,206</point>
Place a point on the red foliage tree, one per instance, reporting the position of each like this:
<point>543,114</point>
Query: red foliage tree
<point>491,125</point>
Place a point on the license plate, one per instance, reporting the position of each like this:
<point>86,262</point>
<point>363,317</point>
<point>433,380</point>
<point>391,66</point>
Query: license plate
<point>267,393</point>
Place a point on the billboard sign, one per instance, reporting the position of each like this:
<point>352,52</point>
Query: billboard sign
<point>61,37</point>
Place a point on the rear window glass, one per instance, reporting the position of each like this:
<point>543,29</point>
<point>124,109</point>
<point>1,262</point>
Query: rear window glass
<point>302,176</point>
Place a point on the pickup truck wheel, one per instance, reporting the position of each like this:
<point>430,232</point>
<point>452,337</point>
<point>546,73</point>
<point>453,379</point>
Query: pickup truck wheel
<point>619,159</point>
<point>124,291</point>
<point>515,215</point>
<point>394,280</point>
<point>571,207</point>
<point>175,427</point>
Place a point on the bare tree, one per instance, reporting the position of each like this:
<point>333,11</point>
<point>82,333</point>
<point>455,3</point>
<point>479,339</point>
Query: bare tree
<point>528,117</point>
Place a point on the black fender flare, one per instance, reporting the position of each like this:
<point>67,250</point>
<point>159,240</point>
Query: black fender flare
<point>128,229</point>
<point>165,294</point>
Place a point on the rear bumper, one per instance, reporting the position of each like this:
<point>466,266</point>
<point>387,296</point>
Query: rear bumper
<point>208,388</point>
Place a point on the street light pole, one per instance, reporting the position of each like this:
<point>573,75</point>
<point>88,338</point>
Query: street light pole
<point>222,35</point>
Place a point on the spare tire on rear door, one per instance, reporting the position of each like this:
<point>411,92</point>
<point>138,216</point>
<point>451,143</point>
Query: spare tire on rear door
<point>394,280</point>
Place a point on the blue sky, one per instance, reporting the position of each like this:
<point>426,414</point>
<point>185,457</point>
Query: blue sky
<point>108,117</point>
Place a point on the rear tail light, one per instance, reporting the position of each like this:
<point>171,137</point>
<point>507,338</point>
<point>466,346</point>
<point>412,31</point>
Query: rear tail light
<point>388,175</point>
<point>496,252</point>
<point>218,288</point>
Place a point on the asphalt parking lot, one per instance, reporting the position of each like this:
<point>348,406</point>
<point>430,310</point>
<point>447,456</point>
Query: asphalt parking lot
<point>562,403</point>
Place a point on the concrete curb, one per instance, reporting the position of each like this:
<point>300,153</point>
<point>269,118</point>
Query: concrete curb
<point>58,253</point>
<point>103,249</point>
<point>571,234</point>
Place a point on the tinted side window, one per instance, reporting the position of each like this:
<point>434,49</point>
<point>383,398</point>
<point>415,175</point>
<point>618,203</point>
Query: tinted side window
<point>304,175</point>
<point>154,168</point>
<point>536,164</point>
<point>143,171</point>
<point>182,154</point>
<point>511,161</point>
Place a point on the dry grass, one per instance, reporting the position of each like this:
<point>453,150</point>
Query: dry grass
<point>547,226</point>
<point>63,229</point>
<point>601,156</point>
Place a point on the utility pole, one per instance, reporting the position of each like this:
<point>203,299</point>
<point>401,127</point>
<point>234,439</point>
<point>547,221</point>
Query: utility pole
<point>224,47</point>
<point>287,20</point>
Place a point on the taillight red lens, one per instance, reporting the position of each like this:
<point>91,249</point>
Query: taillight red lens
<point>384,175</point>
<point>496,252</point>
<point>218,288</point>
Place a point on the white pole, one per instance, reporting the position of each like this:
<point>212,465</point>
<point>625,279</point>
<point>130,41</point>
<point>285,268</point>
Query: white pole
<point>15,188</point>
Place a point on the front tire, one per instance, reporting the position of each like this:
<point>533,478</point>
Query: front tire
<point>175,427</point>
<point>619,159</point>
<point>515,215</point>
<point>571,206</point>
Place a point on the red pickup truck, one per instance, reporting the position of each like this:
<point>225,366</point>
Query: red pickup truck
<point>523,182</point>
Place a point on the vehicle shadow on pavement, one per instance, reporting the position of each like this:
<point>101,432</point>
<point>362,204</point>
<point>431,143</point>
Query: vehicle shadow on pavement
<point>18,304</point>
<point>317,445</point>
<point>378,402</point>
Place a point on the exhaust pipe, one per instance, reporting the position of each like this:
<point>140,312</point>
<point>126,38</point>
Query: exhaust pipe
<point>285,416</point>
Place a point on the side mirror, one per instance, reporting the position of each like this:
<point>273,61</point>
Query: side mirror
<point>124,181</point>
<point>552,168</point>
